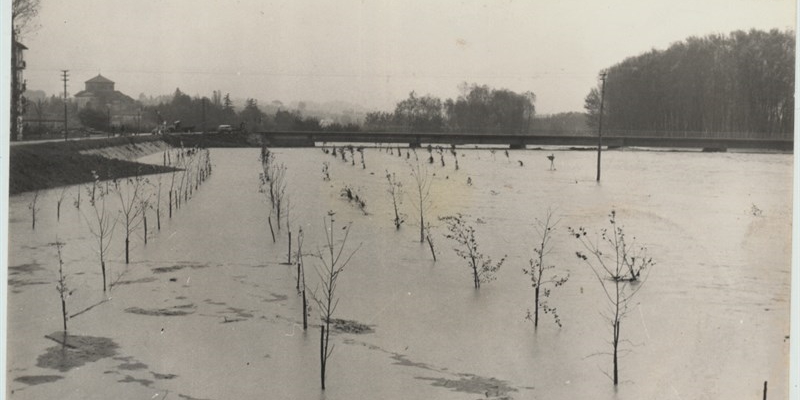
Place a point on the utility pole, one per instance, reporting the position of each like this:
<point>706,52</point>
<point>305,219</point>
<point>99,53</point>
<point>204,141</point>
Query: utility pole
<point>65,78</point>
<point>600,125</point>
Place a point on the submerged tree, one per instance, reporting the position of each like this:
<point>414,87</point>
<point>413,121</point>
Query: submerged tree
<point>332,265</point>
<point>396,191</point>
<point>422,201</point>
<point>158,202</point>
<point>301,278</point>
<point>61,285</point>
<point>462,232</point>
<point>59,200</point>
<point>34,208</point>
<point>541,284</point>
<point>618,267</point>
<point>101,224</point>
<point>130,209</point>
<point>144,203</point>
<point>273,186</point>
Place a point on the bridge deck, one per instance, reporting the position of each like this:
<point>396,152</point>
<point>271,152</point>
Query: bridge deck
<point>308,139</point>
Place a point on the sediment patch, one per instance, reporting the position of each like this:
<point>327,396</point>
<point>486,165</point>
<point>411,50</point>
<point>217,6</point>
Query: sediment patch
<point>74,351</point>
<point>178,267</point>
<point>489,388</point>
<point>27,269</point>
<point>181,310</point>
<point>349,326</point>
<point>32,380</point>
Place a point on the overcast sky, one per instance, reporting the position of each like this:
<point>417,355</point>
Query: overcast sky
<point>367,52</point>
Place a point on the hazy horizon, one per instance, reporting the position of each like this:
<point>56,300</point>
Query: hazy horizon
<point>367,53</point>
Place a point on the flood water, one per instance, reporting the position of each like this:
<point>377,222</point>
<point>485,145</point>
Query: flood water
<point>207,309</point>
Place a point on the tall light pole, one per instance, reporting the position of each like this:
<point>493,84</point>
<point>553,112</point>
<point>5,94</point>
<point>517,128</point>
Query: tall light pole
<point>600,124</point>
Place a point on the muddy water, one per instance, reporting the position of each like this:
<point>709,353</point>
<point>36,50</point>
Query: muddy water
<point>208,310</point>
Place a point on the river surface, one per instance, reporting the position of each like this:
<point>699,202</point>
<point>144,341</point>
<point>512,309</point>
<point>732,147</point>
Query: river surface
<point>207,309</point>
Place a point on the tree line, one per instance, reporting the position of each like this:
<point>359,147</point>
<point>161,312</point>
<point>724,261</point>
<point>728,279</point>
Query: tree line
<point>203,113</point>
<point>478,109</point>
<point>739,85</point>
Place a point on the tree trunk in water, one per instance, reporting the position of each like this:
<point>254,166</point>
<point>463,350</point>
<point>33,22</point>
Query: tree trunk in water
<point>144,220</point>
<point>158,218</point>
<point>58,211</point>
<point>421,224</point>
<point>396,217</point>
<point>64,313</point>
<point>103,267</point>
<point>430,243</point>
<point>289,254</point>
<point>616,343</point>
<point>536,313</point>
<point>298,277</point>
<point>127,246</point>
<point>170,204</point>
<point>305,311</point>
<point>322,355</point>
<point>269,219</point>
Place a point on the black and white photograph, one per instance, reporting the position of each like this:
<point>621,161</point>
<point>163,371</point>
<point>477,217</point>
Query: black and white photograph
<point>374,199</point>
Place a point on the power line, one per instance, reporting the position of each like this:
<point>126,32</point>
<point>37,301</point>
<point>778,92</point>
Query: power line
<point>540,75</point>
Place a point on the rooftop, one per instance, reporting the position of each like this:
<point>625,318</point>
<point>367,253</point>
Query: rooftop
<point>99,79</point>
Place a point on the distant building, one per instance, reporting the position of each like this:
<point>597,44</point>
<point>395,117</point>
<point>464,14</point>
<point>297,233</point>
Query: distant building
<point>18,84</point>
<point>100,95</point>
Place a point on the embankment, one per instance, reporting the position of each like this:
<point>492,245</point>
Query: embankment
<point>37,166</point>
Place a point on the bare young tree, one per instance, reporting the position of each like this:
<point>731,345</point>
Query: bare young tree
<point>396,191</point>
<point>618,266</point>
<point>326,176</point>
<point>273,186</point>
<point>159,179</point>
<point>288,219</point>
<point>59,200</point>
<point>363,164</point>
<point>422,201</point>
<point>429,237</point>
<point>144,201</point>
<point>301,278</point>
<point>131,214</point>
<point>34,208</point>
<point>462,232</point>
<point>101,225</point>
<point>332,265</point>
<point>77,199</point>
<point>542,285</point>
<point>277,190</point>
<point>61,285</point>
<point>172,198</point>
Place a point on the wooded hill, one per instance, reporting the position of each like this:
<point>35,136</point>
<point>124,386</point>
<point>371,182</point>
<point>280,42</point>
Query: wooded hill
<point>736,85</point>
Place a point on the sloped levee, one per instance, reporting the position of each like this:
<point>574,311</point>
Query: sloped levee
<point>38,166</point>
<point>129,151</point>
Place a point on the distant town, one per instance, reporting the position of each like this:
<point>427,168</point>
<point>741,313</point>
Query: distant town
<point>720,86</point>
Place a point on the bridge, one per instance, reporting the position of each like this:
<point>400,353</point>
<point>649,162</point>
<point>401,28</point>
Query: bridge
<point>310,139</point>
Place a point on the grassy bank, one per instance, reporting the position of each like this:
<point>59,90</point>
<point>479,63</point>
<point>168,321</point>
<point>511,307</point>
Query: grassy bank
<point>38,166</point>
